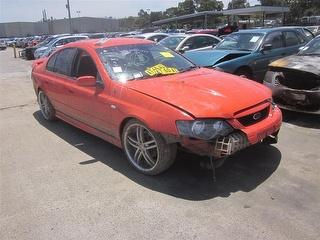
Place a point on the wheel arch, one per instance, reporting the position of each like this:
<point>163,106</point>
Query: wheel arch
<point>245,68</point>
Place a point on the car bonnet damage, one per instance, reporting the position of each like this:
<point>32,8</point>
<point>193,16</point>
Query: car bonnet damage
<point>295,83</point>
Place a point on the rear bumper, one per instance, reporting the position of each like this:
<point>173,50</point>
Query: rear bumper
<point>239,139</point>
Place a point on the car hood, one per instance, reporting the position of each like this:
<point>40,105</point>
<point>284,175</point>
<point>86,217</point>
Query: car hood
<point>213,57</point>
<point>204,93</point>
<point>298,62</point>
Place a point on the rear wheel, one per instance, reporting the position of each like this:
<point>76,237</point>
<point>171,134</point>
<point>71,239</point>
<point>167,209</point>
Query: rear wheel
<point>146,150</point>
<point>46,107</point>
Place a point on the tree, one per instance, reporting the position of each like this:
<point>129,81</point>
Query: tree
<point>186,7</point>
<point>155,16</point>
<point>208,5</point>
<point>273,2</point>
<point>171,12</point>
<point>238,4</point>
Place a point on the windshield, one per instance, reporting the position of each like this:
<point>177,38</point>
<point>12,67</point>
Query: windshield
<point>240,41</point>
<point>140,61</point>
<point>312,48</point>
<point>172,42</point>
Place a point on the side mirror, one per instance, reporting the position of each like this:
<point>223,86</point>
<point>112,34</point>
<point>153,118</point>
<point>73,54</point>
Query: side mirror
<point>86,81</point>
<point>266,47</point>
<point>214,45</point>
<point>185,48</point>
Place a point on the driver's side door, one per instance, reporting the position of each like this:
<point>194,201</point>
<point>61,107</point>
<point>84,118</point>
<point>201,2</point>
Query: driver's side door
<point>265,57</point>
<point>90,102</point>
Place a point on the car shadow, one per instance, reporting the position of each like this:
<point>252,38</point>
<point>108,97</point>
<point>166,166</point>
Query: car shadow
<point>306,120</point>
<point>185,179</point>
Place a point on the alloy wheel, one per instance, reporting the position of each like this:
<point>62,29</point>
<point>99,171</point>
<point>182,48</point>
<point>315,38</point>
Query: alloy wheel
<point>44,105</point>
<point>141,147</point>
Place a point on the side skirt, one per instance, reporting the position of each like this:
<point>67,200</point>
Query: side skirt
<point>96,132</point>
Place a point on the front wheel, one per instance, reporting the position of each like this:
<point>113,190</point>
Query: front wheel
<point>46,107</point>
<point>146,150</point>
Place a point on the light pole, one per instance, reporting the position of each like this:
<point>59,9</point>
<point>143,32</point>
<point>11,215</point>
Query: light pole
<point>69,15</point>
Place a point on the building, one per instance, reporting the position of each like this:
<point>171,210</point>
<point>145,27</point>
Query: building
<point>79,25</point>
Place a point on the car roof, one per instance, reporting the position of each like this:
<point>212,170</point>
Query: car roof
<point>70,36</point>
<point>152,34</point>
<point>109,42</point>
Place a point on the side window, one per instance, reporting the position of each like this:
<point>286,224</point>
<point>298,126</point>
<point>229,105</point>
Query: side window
<point>51,62</point>
<point>59,43</point>
<point>85,66</point>
<point>291,38</point>
<point>200,42</point>
<point>210,41</point>
<point>64,61</point>
<point>275,39</point>
<point>190,43</point>
<point>308,33</point>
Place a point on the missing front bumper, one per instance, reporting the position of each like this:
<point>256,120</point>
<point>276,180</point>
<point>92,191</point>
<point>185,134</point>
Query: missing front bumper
<point>226,146</point>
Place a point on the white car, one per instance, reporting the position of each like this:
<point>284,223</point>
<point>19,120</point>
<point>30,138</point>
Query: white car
<point>183,42</point>
<point>156,37</point>
<point>45,51</point>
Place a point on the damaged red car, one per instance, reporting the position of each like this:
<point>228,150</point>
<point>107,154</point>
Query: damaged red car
<point>149,100</point>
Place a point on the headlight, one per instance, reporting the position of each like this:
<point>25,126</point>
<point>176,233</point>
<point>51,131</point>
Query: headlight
<point>204,129</point>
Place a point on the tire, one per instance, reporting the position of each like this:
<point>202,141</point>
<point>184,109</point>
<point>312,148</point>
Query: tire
<point>244,72</point>
<point>147,150</point>
<point>46,107</point>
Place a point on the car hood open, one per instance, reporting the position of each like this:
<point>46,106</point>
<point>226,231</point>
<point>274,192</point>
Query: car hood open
<point>210,58</point>
<point>204,93</point>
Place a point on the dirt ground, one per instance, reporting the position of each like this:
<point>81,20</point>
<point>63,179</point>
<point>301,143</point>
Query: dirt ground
<point>58,182</point>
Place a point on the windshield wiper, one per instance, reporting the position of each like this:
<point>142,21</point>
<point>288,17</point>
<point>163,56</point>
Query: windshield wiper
<point>189,69</point>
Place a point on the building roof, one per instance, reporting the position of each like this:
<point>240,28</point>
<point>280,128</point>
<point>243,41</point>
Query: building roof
<point>256,9</point>
<point>240,11</point>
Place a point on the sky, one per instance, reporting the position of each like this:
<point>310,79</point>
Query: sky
<point>31,10</point>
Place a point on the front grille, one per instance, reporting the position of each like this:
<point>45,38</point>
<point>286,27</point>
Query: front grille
<point>254,117</point>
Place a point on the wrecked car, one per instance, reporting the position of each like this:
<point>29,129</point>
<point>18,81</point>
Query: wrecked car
<point>149,100</point>
<point>295,80</point>
<point>248,52</point>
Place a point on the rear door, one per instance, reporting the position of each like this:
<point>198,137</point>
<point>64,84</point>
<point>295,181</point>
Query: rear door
<point>293,41</point>
<point>58,76</point>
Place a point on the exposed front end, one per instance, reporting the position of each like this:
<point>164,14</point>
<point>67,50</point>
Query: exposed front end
<point>260,123</point>
<point>295,90</point>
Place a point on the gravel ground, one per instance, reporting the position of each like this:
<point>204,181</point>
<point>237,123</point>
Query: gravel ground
<point>58,182</point>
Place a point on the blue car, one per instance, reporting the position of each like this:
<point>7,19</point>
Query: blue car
<point>249,52</point>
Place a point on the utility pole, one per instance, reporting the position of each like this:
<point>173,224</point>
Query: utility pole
<point>69,15</point>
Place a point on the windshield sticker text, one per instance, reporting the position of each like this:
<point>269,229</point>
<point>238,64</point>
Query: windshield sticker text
<point>160,69</point>
<point>167,54</point>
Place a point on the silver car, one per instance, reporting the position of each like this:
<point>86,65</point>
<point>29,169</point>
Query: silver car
<point>45,51</point>
<point>183,42</point>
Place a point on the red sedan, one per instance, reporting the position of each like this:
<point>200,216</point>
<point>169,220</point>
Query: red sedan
<point>149,100</point>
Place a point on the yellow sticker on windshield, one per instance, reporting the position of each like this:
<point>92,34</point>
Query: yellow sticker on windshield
<point>160,69</point>
<point>167,54</point>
